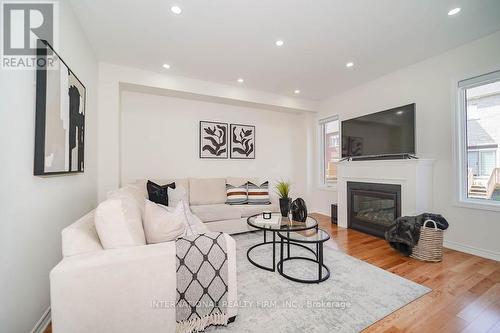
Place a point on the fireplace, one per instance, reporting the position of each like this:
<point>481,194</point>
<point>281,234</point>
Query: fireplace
<point>372,207</point>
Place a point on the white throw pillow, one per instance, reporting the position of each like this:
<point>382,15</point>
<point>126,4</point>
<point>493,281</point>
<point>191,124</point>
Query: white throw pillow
<point>118,223</point>
<point>176,195</point>
<point>163,225</point>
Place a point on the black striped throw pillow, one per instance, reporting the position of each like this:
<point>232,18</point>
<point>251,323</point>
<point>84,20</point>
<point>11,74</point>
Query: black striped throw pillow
<point>258,195</point>
<point>236,195</point>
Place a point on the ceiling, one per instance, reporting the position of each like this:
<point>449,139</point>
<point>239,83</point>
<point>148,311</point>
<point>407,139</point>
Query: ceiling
<point>222,40</point>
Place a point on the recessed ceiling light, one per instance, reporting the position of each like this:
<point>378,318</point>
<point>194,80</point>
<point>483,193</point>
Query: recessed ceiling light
<point>296,91</point>
<point>399,112</point>
<point>176,9</point>
<point>454,11</point>
<point>240,80</point>
<point>166,66</point>
<point>279,42</point>
<point>349,64</point>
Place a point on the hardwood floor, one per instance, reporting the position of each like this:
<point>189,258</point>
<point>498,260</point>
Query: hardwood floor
<point>465,294</point>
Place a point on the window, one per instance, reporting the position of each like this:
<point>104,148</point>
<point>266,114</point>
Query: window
<point>479,139</point>
<point>330,149</point>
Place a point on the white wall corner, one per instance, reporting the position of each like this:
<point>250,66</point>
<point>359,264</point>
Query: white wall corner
<point>42,324</point>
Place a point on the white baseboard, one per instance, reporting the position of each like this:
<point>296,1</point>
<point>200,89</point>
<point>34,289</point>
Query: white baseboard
<point>472,250</point>
<point>459,247</point>
<point>42,324</point>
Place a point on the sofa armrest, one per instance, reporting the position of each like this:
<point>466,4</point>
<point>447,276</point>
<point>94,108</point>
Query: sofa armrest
<point>120,290</point>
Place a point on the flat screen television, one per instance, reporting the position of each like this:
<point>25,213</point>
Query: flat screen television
<point>382,134</point>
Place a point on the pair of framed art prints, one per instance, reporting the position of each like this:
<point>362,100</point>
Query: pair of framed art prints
<point>222,140</point>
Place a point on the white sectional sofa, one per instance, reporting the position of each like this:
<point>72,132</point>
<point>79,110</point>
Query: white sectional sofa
<point>114,290</point>
<point>207,200</point>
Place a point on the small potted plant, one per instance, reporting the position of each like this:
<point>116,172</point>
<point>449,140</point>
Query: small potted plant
<point>282,188</point>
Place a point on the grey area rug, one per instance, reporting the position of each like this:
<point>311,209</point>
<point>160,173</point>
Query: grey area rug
<point>355,296</point>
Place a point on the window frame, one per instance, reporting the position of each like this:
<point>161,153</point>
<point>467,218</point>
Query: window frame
<point>323,183</point>
<point>460,138</point>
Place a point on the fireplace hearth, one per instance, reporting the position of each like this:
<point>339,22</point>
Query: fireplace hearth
<point>372,207</point>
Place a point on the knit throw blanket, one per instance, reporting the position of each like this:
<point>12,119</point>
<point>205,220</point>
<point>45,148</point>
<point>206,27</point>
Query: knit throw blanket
<point>202,282</point>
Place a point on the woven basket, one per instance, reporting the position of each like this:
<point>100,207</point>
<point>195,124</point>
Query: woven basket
<point>430,243</point>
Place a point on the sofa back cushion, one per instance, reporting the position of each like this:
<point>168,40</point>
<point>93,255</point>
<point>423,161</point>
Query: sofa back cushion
<point>130,191</point>
<point>80,237</point>
<point>119,224</point>
<point>235,181</point>
<point>207,191</point>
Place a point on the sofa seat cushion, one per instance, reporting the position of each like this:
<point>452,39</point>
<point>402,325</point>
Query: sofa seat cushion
<point>218,212</point>
<point>249,210</point>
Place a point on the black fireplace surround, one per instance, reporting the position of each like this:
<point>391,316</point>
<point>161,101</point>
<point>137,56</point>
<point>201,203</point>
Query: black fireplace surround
<point>372,207</point>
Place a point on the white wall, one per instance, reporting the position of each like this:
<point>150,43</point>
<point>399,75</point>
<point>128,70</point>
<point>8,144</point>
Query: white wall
<point>113,79</point>
<point>33,210</point>
<point>429,84</point>
<point>159,139</point>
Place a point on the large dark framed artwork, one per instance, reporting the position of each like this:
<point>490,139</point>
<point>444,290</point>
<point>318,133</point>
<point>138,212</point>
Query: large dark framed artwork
<point>242,141</point>
<point>60,116</point>
<point>213,140</point>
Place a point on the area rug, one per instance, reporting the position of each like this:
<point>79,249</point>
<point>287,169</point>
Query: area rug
<point>355,296</point>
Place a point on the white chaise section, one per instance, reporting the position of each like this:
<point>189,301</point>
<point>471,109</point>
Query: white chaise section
<point>114,290</point>
<point>128,289</point>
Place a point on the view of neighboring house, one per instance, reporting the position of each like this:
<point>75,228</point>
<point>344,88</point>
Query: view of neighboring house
<point>483,141</point>
<point>331,149</point>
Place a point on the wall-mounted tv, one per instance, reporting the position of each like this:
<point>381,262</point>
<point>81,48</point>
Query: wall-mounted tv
<point>382,134</point>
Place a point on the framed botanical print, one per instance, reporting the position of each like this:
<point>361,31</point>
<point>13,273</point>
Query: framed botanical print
<point>242,141</point>
<point>213,140</point>
<point>60,116</point>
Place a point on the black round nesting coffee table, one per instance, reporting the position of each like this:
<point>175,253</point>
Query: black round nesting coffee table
<point>313,237</point>
<point>277,223</point>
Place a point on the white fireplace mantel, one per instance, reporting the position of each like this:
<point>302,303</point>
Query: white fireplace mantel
<point>414,176</point>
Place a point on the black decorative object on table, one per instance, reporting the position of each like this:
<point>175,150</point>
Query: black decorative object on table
<point>299,210</point>
<point>285,206</point>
